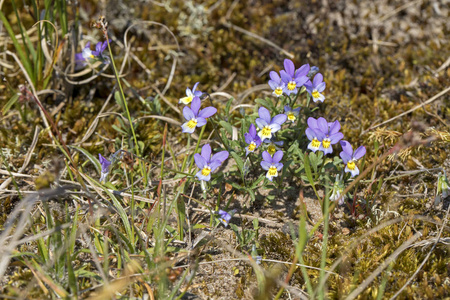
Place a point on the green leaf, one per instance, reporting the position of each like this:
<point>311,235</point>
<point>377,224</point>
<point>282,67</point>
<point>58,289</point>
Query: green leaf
<point>228,106</point>
<point>227,126</point>
<point>238,161</point>
<point>94,160</point>
<point>261,178</point>
<point>23,57</point>
<point>10,103</point>
<point>309,174</point>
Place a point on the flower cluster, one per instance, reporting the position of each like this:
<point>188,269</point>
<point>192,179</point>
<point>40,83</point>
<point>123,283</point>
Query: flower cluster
<point>323,134</point>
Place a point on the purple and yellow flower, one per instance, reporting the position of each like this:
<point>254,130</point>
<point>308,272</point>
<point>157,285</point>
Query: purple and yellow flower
<point>267,124</point>
<point>190,95</point>
<point>350,157</point>
<point>323,134</point>
<point>196,117</point>
<point>106,164</point>
<point>316,88</point>
<point>252,139</point>
<point>208,164</point>
<point>87,54</point>
<point>291,113</point>
<point>272,164</point>
<point>224,217</point>
<point>276,84</point>
<point>293,78</point>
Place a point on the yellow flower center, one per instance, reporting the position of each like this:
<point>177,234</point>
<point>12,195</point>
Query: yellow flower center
<point>326,143</point>
<point>272,171</point>
<point>206,170</point>
<point>266,131</point>
<point>291,116</point>
<point>251,147</point>
<point>278,91</point>
<point>291,85</point>
<point>271,149</point>
<point>186,100</point>
<point>315,143</point>
<point>351,165</point>
<point>316,94</point>
<point>192,123</point>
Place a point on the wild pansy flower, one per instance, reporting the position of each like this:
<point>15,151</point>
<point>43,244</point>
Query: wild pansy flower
<point>190,95</point>
<point>272,148</point>
<point>87,54</point>
<point>350,157</point>
<point>252,139</point>
<point>272,164</point>
<point>196,117</point>
<point>338,188</point>
<point>224,217</point>
<point>323,134</point>
<point>316,88</point>
<point>293,78</point>
<point>291,113</point>
<point>276,84</point>
<point>105,163</point>
<point>267,124</point>
<point>208,164</point>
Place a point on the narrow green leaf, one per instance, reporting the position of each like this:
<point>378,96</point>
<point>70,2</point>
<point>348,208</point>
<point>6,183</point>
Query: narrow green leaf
<point>309,174</point>
<point>238,161</point>
<point>10,103</point>
<point>23,57</point>
<point>227,126</point>
<point>94,160</point>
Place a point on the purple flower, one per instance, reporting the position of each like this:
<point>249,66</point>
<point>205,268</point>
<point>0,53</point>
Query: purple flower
<point>105,167</point>
<point>190,95</point>
<point>350,157</point>
<point>252,139</point>
<point>272,164</point>
<point>276,84</point>
<point>224,217</point>
<point>293,78</point>
<point>291,113</point>
<point>87,54</point>
<point>194,117</point>
<point>267,124</point>
<point>208,164</point>
<point>316,88</point>
<point>323,134</point>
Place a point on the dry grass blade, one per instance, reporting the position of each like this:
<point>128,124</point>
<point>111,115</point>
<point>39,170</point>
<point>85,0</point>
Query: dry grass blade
<point>6,183</point>
<point>435,97</point>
